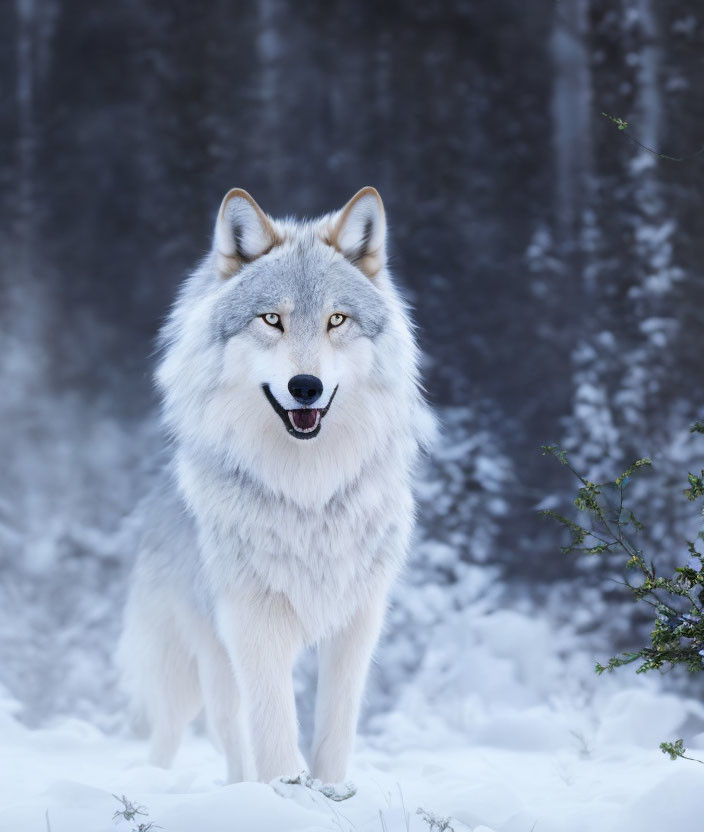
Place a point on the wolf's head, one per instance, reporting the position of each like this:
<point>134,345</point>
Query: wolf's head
<point>287,332</point>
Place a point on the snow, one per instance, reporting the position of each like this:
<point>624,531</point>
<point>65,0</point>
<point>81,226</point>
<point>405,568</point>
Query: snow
<point>504,729</point>
<point>620,782</point>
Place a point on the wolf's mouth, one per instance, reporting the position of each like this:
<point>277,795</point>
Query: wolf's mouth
<point>302,422</point>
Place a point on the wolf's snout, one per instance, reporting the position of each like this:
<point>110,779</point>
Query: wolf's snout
<point>305,389</point>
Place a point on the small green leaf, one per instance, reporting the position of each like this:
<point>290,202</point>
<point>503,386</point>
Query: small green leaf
<point>619,122</point>
<point>673,749</point>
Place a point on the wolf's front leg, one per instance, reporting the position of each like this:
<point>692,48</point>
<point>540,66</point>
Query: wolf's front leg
<point>343,663</point>
<point>262,635</point>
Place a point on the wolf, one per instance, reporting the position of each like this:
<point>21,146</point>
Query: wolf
<point>289,380</point>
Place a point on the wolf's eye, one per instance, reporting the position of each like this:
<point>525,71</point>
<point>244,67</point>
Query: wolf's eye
<point>336,320</point>
<point>272,319</point>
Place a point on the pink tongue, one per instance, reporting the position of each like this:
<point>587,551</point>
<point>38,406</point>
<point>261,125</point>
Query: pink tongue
<point>304,419</point>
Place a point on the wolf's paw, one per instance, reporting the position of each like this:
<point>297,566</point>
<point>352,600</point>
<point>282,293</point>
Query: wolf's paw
<point>333,791</point>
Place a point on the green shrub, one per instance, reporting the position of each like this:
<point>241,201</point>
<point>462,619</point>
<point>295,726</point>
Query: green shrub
<point>607,524</point>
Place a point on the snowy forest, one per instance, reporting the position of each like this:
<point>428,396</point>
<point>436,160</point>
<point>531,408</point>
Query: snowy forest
<point>555,268</point>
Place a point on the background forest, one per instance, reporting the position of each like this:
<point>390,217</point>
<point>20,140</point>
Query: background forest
<point>555,269</point>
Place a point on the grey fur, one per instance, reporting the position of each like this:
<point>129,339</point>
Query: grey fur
<point>313,278</point>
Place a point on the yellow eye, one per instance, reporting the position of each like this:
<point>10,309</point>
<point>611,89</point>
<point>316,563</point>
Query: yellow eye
<point>336,320</point>
<point>272,319</point>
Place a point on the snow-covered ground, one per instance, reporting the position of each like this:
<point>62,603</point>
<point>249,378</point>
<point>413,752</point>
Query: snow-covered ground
<point>519,736</point>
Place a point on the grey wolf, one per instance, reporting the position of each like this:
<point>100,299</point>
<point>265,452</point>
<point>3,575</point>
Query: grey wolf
<point>290,389</point>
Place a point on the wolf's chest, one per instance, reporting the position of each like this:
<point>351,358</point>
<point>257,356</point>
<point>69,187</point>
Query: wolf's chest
<point>322,560</point>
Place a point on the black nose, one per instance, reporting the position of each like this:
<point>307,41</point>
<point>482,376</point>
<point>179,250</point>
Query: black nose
<point>305,389</point>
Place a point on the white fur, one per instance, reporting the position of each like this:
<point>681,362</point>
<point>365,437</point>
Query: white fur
<point>266,542</point>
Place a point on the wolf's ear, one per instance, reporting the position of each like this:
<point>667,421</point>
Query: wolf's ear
<point>243,232</point>
<point>359,232</point>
